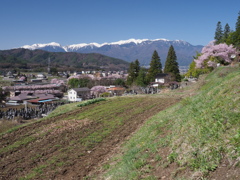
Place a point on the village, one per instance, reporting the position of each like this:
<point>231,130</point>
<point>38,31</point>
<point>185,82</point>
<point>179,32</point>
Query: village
<point>34,95</point>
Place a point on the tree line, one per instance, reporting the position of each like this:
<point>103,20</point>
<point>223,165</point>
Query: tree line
<point>141,76</point>
<point>227,35</point>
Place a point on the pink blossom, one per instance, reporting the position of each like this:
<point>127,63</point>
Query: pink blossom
<point>221,51</point>
<point>96,90</point>
<point>57,81</point>
<point>23,78</point>
<point>212,64</point>
<point>82,76</point>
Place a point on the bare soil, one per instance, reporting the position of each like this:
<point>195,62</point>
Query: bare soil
<point>51,149</point>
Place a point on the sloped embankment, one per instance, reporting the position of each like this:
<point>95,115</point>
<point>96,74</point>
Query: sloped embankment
<point>196,139</point>
<point>72,142</point>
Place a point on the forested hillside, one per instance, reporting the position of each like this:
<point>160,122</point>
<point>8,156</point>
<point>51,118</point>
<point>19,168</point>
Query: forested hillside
<point>38,60</point>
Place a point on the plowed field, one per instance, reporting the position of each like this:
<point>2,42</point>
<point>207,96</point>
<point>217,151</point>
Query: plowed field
<point>72,145</point>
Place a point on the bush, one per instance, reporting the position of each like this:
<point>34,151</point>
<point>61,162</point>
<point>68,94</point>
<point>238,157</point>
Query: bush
<point>91,102</point>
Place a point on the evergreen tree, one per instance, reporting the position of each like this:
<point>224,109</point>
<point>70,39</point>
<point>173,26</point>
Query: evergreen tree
<point>133,71</point>
<point>226,32</point>
<point>141,79</point>
<point>234,36</point>
<point>238,23</point>
<point>131,74</point>
<point>136,68</point>
<point>237,32</point>
<point>171,65</point>
<point>120,82</point>
<point>155,67</point>
<point>218,33</point>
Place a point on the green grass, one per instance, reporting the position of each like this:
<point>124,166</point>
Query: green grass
<point>36,172</point>
<point>93,101</point>
<point>17,144</point>
<point>201,130</point>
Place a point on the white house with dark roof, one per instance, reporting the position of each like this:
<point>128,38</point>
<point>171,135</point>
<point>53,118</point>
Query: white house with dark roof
<point>41,76</point>
<point>78,94</point>
<point>161,78</point>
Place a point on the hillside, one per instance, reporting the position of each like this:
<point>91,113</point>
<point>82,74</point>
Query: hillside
<point>198,138</point>
<point>187,133</point>
<point>38,59</point>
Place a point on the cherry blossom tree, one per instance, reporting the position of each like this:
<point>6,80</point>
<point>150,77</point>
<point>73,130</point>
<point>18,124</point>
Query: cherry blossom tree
<point>214,54</point>
<point>57,81</point>
<point>97,90</point>
<point>82,76</point>
<point>32,88</point>
<point>22,78</point>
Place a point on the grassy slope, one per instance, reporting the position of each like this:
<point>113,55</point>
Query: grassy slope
<point>194,135</point>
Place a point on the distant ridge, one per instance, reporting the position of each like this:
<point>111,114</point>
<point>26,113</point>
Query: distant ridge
<point>129,50</point>
<point>37,59</point>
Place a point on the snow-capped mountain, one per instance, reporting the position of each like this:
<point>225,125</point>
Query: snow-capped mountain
<point>129,50</point>
<point>52,47</point>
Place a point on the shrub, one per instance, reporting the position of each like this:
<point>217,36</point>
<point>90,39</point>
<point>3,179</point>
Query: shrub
<point>91,102</point>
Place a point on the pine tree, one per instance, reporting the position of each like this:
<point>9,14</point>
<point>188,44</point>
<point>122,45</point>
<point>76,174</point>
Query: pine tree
<point>155,67</point>
<point>234,36</point>
<point>136,68</point>
<point>218,33</point>
<point>238,23</point>
<point>171,65</point>
<point>237,32</point>
<point>141,79</point>
<point>226,32</point>
<point>133,71</point>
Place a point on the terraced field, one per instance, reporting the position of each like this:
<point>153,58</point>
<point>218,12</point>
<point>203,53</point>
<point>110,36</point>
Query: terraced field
<point>75,140</point>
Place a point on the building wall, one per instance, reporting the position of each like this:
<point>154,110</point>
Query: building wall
<point>72,95</point>
<point>160,80</point>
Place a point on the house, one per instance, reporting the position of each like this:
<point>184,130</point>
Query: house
<point>19,82</point>
<point>47,98</point>
<point>116,91</point>
<point>41,76</point>
<point>162,78</point>
<point>30,97</point>
<point>78,94</point>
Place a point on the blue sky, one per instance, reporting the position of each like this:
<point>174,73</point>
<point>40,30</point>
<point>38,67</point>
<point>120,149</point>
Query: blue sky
<point>26,22</point>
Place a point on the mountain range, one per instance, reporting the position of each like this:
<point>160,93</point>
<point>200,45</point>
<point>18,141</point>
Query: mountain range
<point>129,50</point>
